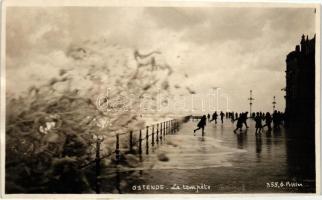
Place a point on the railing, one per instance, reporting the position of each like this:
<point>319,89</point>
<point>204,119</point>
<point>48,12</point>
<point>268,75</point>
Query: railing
<point>157,132</point>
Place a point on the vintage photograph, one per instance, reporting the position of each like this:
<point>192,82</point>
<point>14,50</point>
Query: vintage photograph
<point>167,99</point>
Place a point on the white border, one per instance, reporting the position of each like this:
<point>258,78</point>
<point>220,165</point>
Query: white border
<point>154,3</point>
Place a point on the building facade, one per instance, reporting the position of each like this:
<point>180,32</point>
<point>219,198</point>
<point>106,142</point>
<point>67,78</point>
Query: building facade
<point>300,86</point>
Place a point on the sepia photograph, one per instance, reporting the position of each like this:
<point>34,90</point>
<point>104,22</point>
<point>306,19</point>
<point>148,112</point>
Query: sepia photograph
<point>161,99</point>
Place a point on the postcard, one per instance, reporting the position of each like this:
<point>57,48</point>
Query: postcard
<point>156,97</point>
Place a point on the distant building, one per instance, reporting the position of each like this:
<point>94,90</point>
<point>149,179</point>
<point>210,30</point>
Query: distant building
<point>300,85</point>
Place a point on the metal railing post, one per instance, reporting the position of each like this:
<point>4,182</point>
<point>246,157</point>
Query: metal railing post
<point>157,139</point>
<point>147,140</point>
<point>152,135</point>
<point>131,141</point>
<point>117,148</point>
<point>140,142</point>
<point>98,167</point>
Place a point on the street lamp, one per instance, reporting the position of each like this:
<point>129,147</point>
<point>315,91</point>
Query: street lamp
<point>250,102</point>
<point>274,103</point>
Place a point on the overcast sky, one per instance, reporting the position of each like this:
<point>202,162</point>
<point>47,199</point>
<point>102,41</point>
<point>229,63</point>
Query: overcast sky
<point>236,49</point>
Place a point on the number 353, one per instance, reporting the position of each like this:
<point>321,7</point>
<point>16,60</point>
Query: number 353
<point>275,184</point>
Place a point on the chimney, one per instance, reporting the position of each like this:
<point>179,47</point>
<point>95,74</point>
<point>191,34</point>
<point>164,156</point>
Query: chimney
<point>297,48</point>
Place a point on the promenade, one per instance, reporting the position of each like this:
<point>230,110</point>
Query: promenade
<point>225,161</point>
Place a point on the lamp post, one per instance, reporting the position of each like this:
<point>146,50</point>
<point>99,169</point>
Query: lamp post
<point>250,102</point>
<point>274,103</point>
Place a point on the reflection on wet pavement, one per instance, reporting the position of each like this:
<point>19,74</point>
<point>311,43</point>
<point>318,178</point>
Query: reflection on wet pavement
<point>228,162</point>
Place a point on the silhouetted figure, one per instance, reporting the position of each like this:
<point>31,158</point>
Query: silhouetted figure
<point>276,120</point>
<point>253,115</point>
<point>239,124</point>
<point>232,117</point>
<point>268,121</point>
<point>201,124</point>
<point>263,116</point>
<point>236,115</point>
<point>279,118</point>
<point>244,118</point>
<point>258,123</point>
<point>214,117</point>
<point>282,118</point>
<point>222,117</point>
<point>208,116</point>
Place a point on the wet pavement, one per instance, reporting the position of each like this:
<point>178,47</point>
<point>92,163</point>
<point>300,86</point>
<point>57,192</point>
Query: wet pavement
<point>219,162</point>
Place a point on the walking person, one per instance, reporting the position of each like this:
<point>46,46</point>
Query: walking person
<point>276,120</point>
<point>214,117</point>
<point>258,123</point>
<point>208,116</point>
<point>232,117</point>
<point>253,116</point>
<point>268,121</point>
<point>201,125</point>
<point>222,117</point>
<point>244,118</point>
<point>239,124</point>
<point>279,119</point>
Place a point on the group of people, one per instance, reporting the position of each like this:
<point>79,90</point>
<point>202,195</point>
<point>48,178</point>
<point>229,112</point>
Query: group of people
<point>277,118</point>
<point>242,119</point>
<point>259,117</point>
<point>215,116</point>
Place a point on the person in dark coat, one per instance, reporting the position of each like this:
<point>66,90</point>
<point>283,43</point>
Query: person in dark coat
<point>239,124</point>
<point>201,124</point>
<point>214,117</point>
<point>232,117</point>
<point>244,117</point>
<point>268,121</point>
<point>222,117</point>
<point>276,120</point>
<point>258,123</point>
